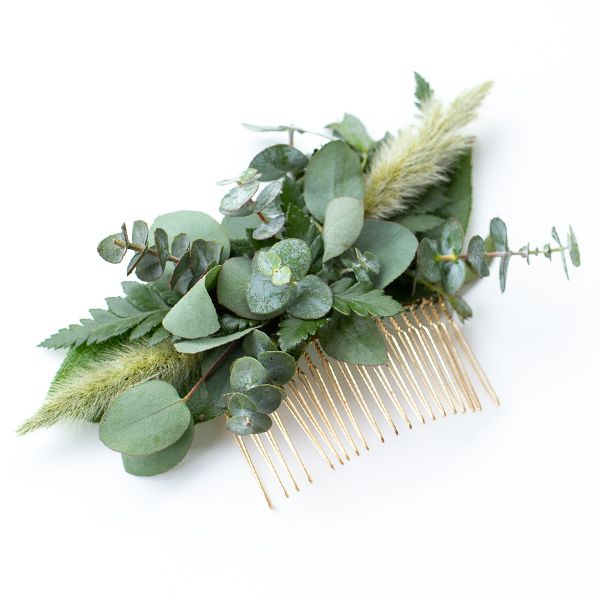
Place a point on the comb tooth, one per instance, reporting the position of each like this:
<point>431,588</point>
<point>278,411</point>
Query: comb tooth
<point>439,327</point>
<point>451,393</point>
<point>338,417</point>
<point>381,374</point>
<point>263,452</point>
<point>287,438</point>
<point>248,458</point>
<point>349,377</point>
<point>366,377</point>
<point>470,355</point>
<point>312,394</point>
<point>300,420</point>
<point>311,417</point>
<point>336,384</point>
<point>277,450</point>
<point>397,352</point>
<point>426,364</point>
<point>408,348</point>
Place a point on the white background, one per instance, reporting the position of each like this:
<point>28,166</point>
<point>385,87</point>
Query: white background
<point>111,111</point>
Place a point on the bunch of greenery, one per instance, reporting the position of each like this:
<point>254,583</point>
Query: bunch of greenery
<point>310,247</point>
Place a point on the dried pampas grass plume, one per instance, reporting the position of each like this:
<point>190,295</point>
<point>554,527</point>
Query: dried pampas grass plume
<point>420,156</point>
<point>90,378</point>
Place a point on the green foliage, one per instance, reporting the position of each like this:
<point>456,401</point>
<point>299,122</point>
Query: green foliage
<point>394,245</point>
<point>163,460</point>
<point>312,299</point>
<point>144,419</point>
<point>138,314</point>
<point>354,339</point>
<point>294,332</point>
<point>423,91</point>
<point>194,346</point>
<point>333,172</point>
<point>343,223</point>
<point>351,130</point>
<point>361,299</point>
<point>276,161</point>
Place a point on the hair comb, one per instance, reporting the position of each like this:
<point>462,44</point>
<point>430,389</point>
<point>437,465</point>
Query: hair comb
<point>316,319</point>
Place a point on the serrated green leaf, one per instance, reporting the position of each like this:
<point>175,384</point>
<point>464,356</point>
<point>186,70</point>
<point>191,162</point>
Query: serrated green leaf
<point>423,91</point>
<point>293,332</point>
<point>312,299</point>
<point>344,220</point>
<point>362,300</point>
<point>296,222</point>
<point>144,419</point>
<point>333,172</point>
<point>278,160</point>
<point>459,192</point>
<point>163,460</point>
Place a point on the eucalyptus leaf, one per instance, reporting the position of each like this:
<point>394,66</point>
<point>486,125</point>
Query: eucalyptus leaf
<point>276,161</point>
<point>258,342</point>
<point>208,343</point>
<point>344,219</point>
<point>265,298</point>
<point>249,424</point>
<point>268,195</point>
<point>353,132</point>
<point>139,233</point>
<point>280,366</point>
<point>451,237</point>
<point>194,316</point>
<point>163,460</point>
<point>419,223</point>
<point>238,201</point>
<point>267,398</point>
<point>109,251</point>
<point>312,299</point>
<point>144,419</point>
<point>476,256</point>
<point>394,245</point>
<point>573,248</point>
<point>295,254</point>
<point>267,230</point>
<point>161,240</point>
<point>247,372</point>
<point>236,227</point>
<point>333,172</point>
<point>427,259</point>
<point>453,276</point>
<point>240,405</point>
<point>498,234</point>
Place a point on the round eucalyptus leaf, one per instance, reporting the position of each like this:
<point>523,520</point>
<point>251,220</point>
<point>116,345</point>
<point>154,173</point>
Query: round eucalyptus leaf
<point>144,419</point>
<point>280,366</point>
<point>270,229</point>
<point>249,424</point>
<point>109,251</point>
<point>258,341</point>
<point>453,276</point>
<point>149,268</point>
<point>267,398</point>
<point>240,405</point>
<point>267,262</point>
<point>163,460</point>
<point>198,226</point>
<point>161,241</point>
<point>268,195</point>
<point>247,372</point>
<point>312,299</point>
<point>232,286</point>
<point>344,220</point>
<point>263,297</point>
<point>194,316</point>
<point>281,276</point>
<point>476,256</point>
<point>238,201</point>
<point>139,234</point>
<point>451,237</point>
<point>236,226</point>
<point>278,160</point>
<point>429,267</point>
<point>294,254</point>
<point>180,245</point>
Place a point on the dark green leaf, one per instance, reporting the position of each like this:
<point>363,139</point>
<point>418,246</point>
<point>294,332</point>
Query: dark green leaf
<point>312,299</point>
<point>163,460</point>
<point>181,244</point>
<point>247,372</point>
<point>333,172</point>
<point>149,268</point>
<point>423,91</point>
<point>296,222</point>
<point>280,366</point>
<point>267,398</point>
<point>354,339</point>
<point>205,407</point>
<point>240,405</point>
<point>353,132</point>
<point>459,192</point>
<point>362,300</point>
<point>276,161</point>
<point>418,223</point>
<point>161,240</point>
<point>254,423</point>
<point>203,256</point>
<point>344,219</point>
<point>258,342</point>
<point>144,419</point>
<point>394,245</point>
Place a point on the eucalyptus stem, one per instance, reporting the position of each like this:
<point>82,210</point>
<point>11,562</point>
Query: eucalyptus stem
<point>262,217</point>
<point>210,371</point>
<point>140,248</point>
<point>500,254</point>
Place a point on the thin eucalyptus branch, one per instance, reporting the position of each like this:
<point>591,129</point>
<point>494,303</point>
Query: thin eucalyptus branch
<point>141,248</point>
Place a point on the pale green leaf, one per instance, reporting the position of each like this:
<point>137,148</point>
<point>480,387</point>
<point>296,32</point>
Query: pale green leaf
<point>344,219</point>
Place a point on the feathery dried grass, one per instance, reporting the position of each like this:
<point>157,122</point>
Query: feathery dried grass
<point>420,157</point>
<point>87,382</point>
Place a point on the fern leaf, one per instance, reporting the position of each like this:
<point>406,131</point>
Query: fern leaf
<point>362,300</point>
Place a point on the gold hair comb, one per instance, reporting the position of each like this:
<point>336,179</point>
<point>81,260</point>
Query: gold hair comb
<point>428,376</point>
